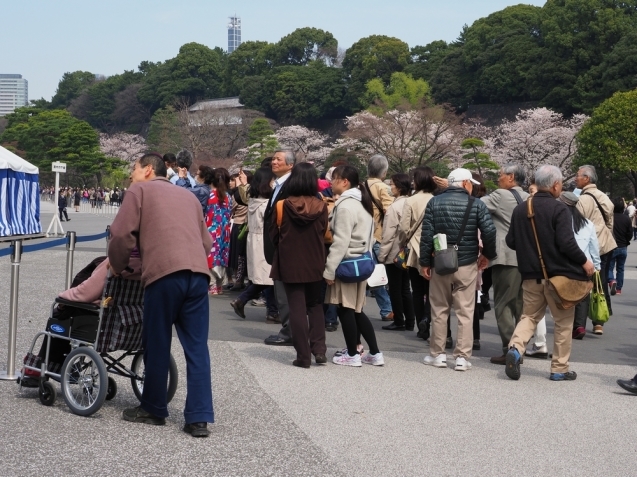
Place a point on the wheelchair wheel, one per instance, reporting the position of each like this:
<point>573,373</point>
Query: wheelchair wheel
<point>47,394</point>
<point>84,381</point>
<point>112,389</point>
<point>137,367</point>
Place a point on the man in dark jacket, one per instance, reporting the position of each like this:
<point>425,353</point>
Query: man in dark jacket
<point>282,164</point>
<point>62,206</point>
<point>444,215</point>
<point>562,257</point>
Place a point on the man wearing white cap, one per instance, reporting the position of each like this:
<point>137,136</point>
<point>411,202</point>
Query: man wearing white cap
<point>448,214</point>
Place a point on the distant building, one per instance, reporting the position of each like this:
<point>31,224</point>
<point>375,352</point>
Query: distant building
<point>14,93</point>
<point>218,111</point>
<point>234,33</point>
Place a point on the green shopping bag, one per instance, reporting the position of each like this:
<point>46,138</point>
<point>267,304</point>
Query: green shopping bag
<point>598,309</point>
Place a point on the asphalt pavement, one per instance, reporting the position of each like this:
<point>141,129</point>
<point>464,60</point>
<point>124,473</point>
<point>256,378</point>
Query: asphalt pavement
<point>274,419</point>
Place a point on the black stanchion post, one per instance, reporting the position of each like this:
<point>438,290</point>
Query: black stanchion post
<point>16,257</point>
<point>70,249</point>
<point>108,237</point>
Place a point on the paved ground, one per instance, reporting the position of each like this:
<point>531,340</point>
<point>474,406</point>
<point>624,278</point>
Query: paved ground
<point>274,419</point>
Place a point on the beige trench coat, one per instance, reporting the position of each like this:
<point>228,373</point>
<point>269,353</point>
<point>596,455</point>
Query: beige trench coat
<point>258,268</point>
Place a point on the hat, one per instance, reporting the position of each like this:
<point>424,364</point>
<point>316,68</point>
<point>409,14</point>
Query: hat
<point>458,175</point>
<point>328,175</point>
<point>568,198</point>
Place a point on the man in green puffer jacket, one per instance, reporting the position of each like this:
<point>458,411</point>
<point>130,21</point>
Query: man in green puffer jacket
<point>444,215</point>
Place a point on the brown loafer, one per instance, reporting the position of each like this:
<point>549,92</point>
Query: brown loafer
<point>499,360</point>
<point>389,317</point>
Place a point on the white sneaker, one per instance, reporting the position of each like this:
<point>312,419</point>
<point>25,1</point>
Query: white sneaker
<point>347,360</point>
<point>462,364</point>
<point>535,352</point>
<point>439,361</point>
<point>373,359</point>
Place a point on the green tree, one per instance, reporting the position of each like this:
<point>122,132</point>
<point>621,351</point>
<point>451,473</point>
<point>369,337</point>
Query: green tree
<point>163,133</point>
<point>48,136</point>
<point>375,56</point>
<point>402,89</point>
<point>261,142</point>
<point>194,74</point>
<point>425,60</point>
<point>252,58</point>
<point>608,138</point>
<point>479,161</point>
<point>304,95</point>
<point>305,45</point>
<point>576,35</point>
<point>70,87</point>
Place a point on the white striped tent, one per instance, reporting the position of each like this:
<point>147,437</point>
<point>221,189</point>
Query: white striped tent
<point>19,196</point>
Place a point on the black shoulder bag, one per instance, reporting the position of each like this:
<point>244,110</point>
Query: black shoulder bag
<point>517,196</point>
<point>446,261</point>
<point>598,206</point>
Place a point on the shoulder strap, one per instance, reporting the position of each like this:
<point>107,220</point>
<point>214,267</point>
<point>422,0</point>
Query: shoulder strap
<point>378,205</point>
<point>465,219</point>
<point>516,194</point>
<point>598,206</point>
<point>279,213</point>
<point>418,224</point>
<point>530,213</point>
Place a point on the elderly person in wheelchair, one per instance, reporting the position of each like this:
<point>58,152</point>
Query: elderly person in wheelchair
<point>87,287</point>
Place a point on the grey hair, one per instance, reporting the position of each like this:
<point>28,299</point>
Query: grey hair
<point>519,174</point>
<point>589,171</point>
<point>377,166</point>
<point>290,157</point>
<point>546,176</point>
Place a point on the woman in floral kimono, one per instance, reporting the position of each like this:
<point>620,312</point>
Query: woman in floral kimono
<point>218,222</point>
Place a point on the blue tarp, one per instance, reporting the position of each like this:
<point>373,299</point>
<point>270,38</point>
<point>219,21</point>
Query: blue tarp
<point>19,196</point>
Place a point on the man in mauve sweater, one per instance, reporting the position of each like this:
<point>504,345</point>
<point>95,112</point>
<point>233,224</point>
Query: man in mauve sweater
<point>176,289</point>
<point>562,257</point>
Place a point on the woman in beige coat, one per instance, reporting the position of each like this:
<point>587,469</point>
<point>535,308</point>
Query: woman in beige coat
<point>258,269</point>
<point>410,228</point>
<point>391,244</point>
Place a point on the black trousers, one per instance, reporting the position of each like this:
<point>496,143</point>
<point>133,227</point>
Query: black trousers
<point>353,325</point>
<point>63,211</point>
<point>605,268</point>
<point>400,295</point>
<point>420,295</point>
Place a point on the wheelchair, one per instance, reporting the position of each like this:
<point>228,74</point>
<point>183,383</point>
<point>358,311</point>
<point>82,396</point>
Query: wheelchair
<point>92,333</point>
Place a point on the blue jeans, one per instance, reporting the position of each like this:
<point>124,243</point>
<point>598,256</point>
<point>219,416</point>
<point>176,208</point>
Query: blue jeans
<point>179,299</point>
<point>380,293</point>
<point>618,259</point>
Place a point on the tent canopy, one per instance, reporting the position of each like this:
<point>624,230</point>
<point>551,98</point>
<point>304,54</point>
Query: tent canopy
<point>9,160</point>
<point>19,196</point>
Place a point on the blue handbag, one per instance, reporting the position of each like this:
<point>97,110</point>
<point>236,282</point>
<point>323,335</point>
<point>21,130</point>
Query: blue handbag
<point>357,269</point>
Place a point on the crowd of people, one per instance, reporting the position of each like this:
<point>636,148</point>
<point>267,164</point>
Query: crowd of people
<point>308,243</point>
<point>73,197</point>
<point>256,252</point>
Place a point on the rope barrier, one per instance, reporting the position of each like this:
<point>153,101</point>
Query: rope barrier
<point>53,243</point>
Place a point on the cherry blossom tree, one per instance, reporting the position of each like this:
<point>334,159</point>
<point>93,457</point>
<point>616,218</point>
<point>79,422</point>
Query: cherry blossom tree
<point>407,137</point>
<point>127,147</point>
<point>537,136</point>
<point>308,144</point>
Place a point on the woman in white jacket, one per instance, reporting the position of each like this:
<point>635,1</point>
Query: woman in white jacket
<point>351,225</point>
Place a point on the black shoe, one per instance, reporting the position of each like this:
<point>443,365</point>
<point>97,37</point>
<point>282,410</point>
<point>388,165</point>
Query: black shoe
<point>476,345</point>
<point>409,327</point>
<point>449,343</point>
<point>320,359</point>
<point>68,220</point>
<point>423,332</point>
<point>628,385</point>
<point>276,340</point>
<point>331,327</point>
<point>137,414</point>
<point>197,429</point>
<point>238,307</point>
<point>394,327</point>
<point>298,364</point>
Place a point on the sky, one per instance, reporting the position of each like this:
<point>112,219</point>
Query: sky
<point>43,39</point>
